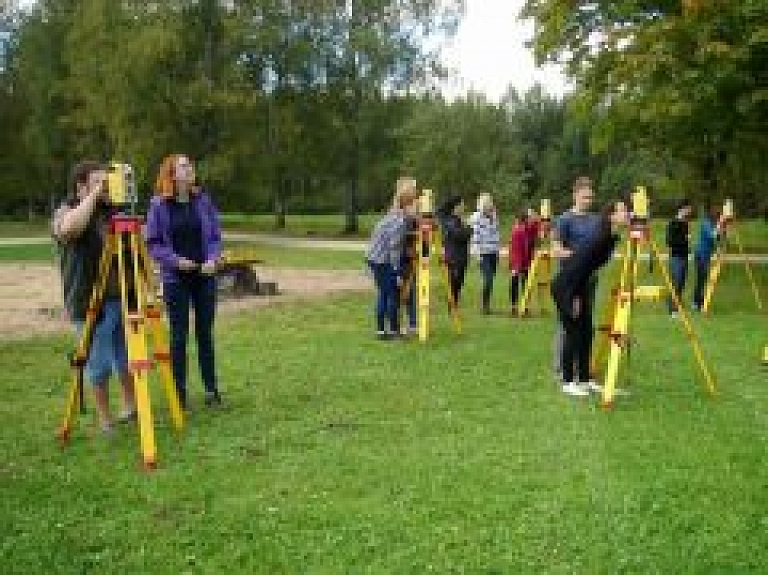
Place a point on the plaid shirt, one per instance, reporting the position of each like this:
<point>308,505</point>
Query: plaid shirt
<point>387,240</point>
<point>485,234</point>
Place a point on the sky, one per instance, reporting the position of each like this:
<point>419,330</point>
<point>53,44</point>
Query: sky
<point>488,52</point>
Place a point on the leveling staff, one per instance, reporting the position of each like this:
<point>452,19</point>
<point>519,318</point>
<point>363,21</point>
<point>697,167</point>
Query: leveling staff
<point>80,226</point>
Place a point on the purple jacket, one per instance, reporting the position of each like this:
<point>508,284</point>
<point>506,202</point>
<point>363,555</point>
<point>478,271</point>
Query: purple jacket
<point>159,233</point>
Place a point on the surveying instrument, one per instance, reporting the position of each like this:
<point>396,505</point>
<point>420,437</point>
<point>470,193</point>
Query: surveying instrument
<point>429,243</point>
<point>537,284</point>
<point>615,321</point>
<point>140,310</point>
<point>728,230</point>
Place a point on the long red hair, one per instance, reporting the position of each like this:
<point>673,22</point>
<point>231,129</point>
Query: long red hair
<point>164,184</point>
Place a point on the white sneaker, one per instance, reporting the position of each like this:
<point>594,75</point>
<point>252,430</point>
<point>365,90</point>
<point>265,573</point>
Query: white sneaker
<point>594,387</point>
<point>574,389</point>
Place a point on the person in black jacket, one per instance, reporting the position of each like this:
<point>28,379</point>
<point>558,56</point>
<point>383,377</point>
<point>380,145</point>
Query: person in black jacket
<point>456,236</point>
<point>571,294</point>
<point>679,248</point>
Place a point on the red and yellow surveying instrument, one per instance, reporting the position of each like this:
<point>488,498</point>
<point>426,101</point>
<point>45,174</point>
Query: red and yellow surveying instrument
<point>728,230</point>
<point>615,321</point>
<point>141,311</point>
<point>539,279</point>
<point>430,244</point>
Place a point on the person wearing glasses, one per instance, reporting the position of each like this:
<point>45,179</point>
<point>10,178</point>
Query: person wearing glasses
<point>184,238</point>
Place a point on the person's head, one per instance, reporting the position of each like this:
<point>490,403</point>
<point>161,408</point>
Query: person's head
<point>614,215</point>
<point>485,203</point>
<point>713,212</point>
<point>684,209</point>
<point>177,173</point>
<point>85,177</point>
<point>582,194</point>
<point>453,205</point>
<point>406,195</point>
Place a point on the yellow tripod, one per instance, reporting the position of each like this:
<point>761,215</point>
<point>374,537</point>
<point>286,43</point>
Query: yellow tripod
<point>615,326</point>
<point>140,310</point>
<point>728,230</point>
<point>430,243</point>
<point>540,274</point>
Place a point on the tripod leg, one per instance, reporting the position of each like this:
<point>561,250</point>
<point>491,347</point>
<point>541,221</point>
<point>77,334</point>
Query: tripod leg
<point>714,275</point>
<point>531,281</point>
<point>750,275</point>
<point>76,394</point>
<point>161,341</point>
<point>689,331</point>
<point>620,325</point>
<point>425,242</point>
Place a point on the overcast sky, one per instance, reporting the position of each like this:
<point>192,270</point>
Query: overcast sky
<point>489,52</point>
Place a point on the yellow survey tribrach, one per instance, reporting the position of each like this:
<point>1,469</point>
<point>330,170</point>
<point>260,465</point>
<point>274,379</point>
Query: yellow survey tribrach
<point>537,285</point>
<point>728,230</point>
<point>615,322</point>
<point>429,244</point>
<point>141,311</point>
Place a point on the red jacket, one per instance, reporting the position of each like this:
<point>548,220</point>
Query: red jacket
<point>521,245</point>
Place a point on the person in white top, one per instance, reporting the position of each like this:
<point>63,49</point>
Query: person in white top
<point>485,244</point>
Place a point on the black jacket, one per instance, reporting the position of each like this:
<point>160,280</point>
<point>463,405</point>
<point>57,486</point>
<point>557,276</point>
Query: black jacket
<point>572,278</point>
<point>456,236</point>
<point>677,238</point>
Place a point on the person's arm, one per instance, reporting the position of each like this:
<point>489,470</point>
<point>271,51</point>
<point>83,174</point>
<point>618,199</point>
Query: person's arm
<point>559,236</point>
<point>70,222</point>
<point>158,237</point>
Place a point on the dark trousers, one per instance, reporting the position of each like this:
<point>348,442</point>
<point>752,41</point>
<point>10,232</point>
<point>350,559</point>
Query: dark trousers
<point>456,272</point>
<point>199,292</point>
<point>516,286</point>
<point>678,271</point>
<point>702,276</point>
<point>488,264</point>
<point>387,297</point>
<point>577,327</point>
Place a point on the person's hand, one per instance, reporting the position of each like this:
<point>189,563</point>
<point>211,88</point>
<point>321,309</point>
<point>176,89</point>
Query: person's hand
<point>186,265</point>
<point>208,268</point>
<point>576,307</point>
<point>399,281</point>
<point>513,273</point>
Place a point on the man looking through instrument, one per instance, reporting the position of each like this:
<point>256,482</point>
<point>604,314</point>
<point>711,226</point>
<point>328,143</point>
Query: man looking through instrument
<point>80,226</point>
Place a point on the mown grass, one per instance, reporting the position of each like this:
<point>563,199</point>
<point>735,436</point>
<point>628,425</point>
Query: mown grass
<point>342,454</point>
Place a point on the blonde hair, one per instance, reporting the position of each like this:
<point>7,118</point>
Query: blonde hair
<point>484,201</point>
<point>405,193</point>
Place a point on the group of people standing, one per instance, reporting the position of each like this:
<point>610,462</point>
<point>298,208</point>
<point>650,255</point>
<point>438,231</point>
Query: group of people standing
<point>392,252</point>
<point>183,236</point>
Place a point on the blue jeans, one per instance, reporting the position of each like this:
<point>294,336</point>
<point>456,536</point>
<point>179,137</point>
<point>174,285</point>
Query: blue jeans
<point>108,352</point>
<point>197,291</point>
<point>678,270</point>
<point>488,263</point>
<point>387,299</point>
<point>702,275</point>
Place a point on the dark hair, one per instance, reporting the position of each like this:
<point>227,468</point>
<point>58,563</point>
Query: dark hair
<point>79,175</point>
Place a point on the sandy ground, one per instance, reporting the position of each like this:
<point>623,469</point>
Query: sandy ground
<point>30,295</point>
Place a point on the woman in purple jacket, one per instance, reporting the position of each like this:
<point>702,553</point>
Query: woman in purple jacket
<point>184,238</point>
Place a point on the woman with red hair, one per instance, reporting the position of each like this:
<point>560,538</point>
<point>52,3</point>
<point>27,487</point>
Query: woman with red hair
<point>184,238</point>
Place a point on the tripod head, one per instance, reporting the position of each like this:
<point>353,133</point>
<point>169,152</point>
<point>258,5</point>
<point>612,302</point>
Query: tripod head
<point>638,223</point>
<point>426,204</point>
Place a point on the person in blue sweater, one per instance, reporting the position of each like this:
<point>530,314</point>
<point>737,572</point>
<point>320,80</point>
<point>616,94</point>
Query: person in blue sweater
<point>709,233</point>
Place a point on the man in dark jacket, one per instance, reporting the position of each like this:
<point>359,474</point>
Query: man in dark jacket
<point>456,237</point>
<point>679,248</point>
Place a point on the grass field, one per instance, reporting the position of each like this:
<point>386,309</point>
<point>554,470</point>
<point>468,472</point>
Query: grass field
<point>342,454</point>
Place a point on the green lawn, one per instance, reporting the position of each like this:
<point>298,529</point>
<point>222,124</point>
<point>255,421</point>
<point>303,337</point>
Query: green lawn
<point>342,454</point>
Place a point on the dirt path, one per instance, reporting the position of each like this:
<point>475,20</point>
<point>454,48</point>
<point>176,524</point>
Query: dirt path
<point>30,295</point>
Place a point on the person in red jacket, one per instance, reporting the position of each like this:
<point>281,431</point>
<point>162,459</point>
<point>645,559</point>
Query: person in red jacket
<point>522,242</point>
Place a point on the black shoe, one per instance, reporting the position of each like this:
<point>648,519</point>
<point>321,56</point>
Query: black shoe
<point>212,399</point>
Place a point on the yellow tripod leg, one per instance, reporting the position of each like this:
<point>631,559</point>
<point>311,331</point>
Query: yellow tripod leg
<point>424,280</point>
<point>607,317</point>
<point>714,275</point>
<point>84,344</point>
<point>620,325</point>
<point>688,326</point>
<point>765,355</point>
<point>162,349</point>
<point>138,360</point>
<point>531,281</point>
<point>750,275</point>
